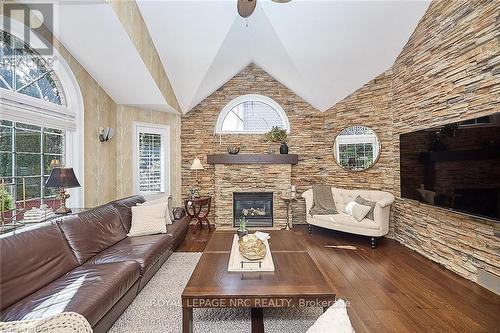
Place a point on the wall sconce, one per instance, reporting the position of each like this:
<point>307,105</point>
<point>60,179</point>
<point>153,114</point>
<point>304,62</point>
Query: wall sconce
<point>105,134</point>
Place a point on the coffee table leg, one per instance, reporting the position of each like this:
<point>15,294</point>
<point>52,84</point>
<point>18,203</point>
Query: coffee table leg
<point>187,320</point>
<point>257,320</point>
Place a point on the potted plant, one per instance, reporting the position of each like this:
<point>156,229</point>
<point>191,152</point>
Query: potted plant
<point>7,203</point>
<point>278,134</point>
<point>242,230</point>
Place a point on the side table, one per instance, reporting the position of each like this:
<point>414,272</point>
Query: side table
<point>195,210</point>
<point>288,201</point>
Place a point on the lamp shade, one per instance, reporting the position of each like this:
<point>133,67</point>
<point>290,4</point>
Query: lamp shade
<point>62,178</point>
<point>196,164</point>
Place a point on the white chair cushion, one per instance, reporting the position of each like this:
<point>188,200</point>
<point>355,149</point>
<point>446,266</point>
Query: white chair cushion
<point>148,220</point>
<point>335,319</point>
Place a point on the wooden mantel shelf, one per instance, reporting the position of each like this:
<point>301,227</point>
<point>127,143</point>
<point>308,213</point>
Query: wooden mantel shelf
<point>253,159</point>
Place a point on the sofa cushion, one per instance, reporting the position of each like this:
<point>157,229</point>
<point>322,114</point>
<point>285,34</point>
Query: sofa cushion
<point>30,259</point>
<point>93,231</point>
<point>123,208</point>
<point>90,290</point>
<point>145,250</point>
<point>344,219</point>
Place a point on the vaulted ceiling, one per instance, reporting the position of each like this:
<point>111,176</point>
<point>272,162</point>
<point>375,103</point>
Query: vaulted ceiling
<point>321,50</point>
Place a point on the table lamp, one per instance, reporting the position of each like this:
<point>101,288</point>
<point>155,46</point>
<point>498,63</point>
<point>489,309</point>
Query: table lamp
<point>196,166</point>
<point>62,178</point>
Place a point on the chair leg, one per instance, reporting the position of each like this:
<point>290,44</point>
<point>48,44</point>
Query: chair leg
<point>309,229</point>
<point>373,242</point>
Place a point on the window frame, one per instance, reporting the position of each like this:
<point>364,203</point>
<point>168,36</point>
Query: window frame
<point>41,154</point>
<point>354,140</point>
<point>164,131</point>
<point>73,107</point>
<point>250,98</point>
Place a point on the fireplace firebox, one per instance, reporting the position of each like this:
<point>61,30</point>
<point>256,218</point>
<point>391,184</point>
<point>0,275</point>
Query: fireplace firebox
<point>257,207</point>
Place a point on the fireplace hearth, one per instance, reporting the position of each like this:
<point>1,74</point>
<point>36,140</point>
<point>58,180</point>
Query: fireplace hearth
<point>256,207</point>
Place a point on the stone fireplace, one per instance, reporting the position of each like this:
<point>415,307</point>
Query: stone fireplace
<point>256,207</point>
<point>253,177</point>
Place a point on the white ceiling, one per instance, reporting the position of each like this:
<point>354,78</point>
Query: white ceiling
<point>321,50</point>
<point>93,34</point>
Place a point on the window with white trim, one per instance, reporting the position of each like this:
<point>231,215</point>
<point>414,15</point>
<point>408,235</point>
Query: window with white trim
<point>151,173</point>
<point>30,90</point>
<point>36,123</point>
<point>24,71</point>
<point>356,148</point>
<point>251,114</point>
<point>26,152</point>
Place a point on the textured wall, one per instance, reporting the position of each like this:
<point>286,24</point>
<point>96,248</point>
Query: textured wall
<point>448,71</point>
<point>312,133</point>
<point>99,111</point>
<point>125,117</point>
<point>131,18</point>
<point>250,178</point>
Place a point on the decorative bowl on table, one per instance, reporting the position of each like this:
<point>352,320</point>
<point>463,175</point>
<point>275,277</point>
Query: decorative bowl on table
<point>233,150</point>
<point>251,247</point>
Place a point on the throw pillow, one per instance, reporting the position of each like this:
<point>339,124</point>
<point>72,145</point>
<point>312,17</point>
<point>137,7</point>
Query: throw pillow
<point>335,319</point>
<point>363,201</point>
<point>356,210</point>
<point>148,220</point>
<point>164,201</point>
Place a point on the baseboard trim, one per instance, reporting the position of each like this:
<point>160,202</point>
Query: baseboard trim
<point>489,281</point>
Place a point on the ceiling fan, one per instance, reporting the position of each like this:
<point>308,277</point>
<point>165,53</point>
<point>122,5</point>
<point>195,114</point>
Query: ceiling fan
<point>246,7</point>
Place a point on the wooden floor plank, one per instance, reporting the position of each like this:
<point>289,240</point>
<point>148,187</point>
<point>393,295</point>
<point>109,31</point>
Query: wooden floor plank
<point>391,288</point>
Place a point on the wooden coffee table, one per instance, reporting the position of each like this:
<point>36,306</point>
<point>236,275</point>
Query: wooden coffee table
<point>296,281</point>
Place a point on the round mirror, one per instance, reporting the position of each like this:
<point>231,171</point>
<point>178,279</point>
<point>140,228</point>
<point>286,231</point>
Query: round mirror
<point>356,148</point>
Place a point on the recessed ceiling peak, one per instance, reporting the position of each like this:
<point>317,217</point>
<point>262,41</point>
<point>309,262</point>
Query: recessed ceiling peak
<point>321,50</point>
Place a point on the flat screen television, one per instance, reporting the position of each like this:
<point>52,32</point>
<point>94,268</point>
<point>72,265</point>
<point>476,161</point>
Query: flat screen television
<point>456,166</point>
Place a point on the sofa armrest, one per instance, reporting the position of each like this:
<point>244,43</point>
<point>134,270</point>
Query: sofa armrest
<point>308,197</point>
<point>385,202</point>
<point>178,212</point>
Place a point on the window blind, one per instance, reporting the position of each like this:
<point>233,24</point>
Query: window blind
<point>150,163</point>
<point>25,109</point>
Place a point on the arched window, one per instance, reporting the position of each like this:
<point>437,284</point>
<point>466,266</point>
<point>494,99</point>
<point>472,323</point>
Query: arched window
<point>251,114</point>
<point>41,118</point>
<point>24,71</point>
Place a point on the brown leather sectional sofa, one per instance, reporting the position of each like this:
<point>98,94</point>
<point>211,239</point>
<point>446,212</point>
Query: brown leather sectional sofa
<point>83,263</point>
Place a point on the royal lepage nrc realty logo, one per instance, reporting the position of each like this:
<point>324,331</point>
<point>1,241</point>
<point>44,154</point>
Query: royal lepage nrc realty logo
<point>36,17</point>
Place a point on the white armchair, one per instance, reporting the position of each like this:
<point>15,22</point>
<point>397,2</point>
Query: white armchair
<point>375,228</point>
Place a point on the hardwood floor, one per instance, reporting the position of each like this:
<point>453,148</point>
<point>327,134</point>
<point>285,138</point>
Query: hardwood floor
<point>391,288</point>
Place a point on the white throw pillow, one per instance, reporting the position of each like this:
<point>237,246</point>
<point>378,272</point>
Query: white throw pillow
<point>163,200</point>
<point>357,210</point>
<point>335,319</point>
<point>148,220</point>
